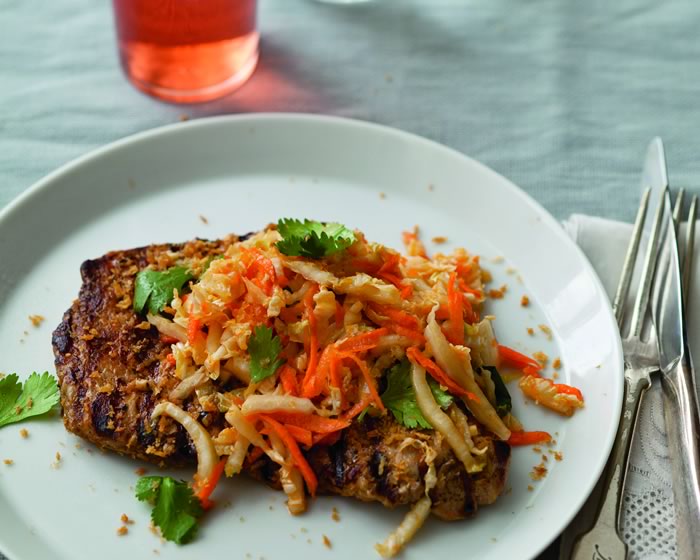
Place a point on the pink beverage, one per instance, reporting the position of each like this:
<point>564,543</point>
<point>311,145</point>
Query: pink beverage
<point>187,50</point>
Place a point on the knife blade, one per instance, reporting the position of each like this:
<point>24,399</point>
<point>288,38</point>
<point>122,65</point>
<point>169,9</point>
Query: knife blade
<point>681,411</point>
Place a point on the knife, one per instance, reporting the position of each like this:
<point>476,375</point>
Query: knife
<point>677,375</point>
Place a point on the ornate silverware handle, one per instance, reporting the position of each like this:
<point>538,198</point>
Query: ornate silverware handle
<point>603,542</point>
<point>683,427</point>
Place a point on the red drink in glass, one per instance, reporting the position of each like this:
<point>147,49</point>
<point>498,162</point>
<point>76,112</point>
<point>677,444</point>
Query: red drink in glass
<point>187,50</point>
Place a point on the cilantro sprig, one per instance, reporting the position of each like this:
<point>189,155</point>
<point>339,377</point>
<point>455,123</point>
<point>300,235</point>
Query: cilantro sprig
<point>400,397</point>
<point>155,288</point>
<point>38,395</point>
<point>264,350</point>
<point>176,510</point>
<point>312,239</point>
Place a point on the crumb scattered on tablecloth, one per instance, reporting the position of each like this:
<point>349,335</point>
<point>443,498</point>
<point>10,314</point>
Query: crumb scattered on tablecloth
<point>530,487</point>
<point>497,259</point>
<point>184,117</point>
<point>36,320</point>
<point>304,530</point>
<point>140,471</point>
<point>486,276</point>
<point>537,449</point>
<point>531,331</point>
<point>335,514</point>
<point>558,456</point>
<point>546,330</point>
<point>327,542</point>
<point>382,195</point>
<point>24,433</point>
<point>125,519</point>
<point>123,530</point>
<point>8,462</point>
<point>203,219</point>
<point>439,239</point>
<point>556,364</point>
<point>524,301</point>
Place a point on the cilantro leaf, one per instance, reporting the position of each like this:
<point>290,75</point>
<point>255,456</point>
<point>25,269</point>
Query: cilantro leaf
<point>155,288</point>
<point>312,239</point>
<point>39,395</point>
<point>264,350</point>
<point>503,401</point>
<point>176,508</point>
<point>400,397</point>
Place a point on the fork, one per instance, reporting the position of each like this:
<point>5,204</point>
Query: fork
<point>602,541</point>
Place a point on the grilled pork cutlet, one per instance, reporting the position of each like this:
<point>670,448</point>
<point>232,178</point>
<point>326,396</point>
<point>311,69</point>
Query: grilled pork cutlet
<point>112,368</point>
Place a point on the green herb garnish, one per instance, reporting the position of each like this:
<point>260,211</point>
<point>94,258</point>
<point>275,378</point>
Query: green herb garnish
<point>312,239</point>
<point>175,507</point>
<point>38,395</point>
<point>155,288</point>
<point>264,350</point>
<point>400,397</point>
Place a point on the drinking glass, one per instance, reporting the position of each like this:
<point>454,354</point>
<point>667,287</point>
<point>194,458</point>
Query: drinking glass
<point>187,50</point>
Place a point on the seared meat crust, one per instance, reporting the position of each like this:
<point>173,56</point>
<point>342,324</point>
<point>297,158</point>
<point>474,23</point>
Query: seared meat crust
<point>112,371</point>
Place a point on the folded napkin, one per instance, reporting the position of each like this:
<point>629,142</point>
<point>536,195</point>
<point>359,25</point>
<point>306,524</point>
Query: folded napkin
<point>648,515</point>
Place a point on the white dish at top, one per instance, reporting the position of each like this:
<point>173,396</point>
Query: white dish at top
<point>240,173</point>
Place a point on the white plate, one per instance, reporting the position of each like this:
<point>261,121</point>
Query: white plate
<point>241,173</point>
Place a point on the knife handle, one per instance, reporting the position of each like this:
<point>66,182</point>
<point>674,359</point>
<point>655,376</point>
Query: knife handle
<point>603,539</point>
<point>683,428</point>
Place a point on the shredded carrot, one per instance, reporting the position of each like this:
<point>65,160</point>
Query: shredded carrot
<point>312,422</point>
<point>297,455</point>
<point>259,269</point>
<point>291,314</point>
<point>467,290</point>
<point>568,390</point>
<point>194,330</point>
<point>335,374</point>
<point>369,380</point>
<point>170,359</point>
<point>363,403</point>
<point>288,376</point>
<point>300,434</point>
<point>168,339</point>
<point>327,439</point>
<point>513,358</point>
<point>318,382</point>
<point>339,315</point>
<point>205,488</point>
<point>416,336</point>
<point>417,357</point>
<point>362,342</point>
<point>397,316</point>
<point>309,386</point>
<point>528,438</point>
<point>456,309</point>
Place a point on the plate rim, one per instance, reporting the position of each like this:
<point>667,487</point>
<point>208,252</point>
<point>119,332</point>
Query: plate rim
<point>45,183</point>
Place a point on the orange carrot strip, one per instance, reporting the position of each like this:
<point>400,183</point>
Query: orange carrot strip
<point>466,289</point>
<point>368,379</point>
<point>291,313</point>
<point>254,455</point>
<point>409,333</point>
<point>334,374</point>
<point>168,339</point>
<point>309,387</point>
<point>312,422</point>
<point>513,358</point>
<point>397,316</point>
<point>170,359</point>
<point>339,315</point>
<point>362,342</point>
<point>568,390</point>
<point>456,309</point>
<point>327,439</point>
<point>363,403</point>
<point>417,357</point>
<point>206,487</point>
<point>288,376</point>
<point>297,455</point>
<point>528,438</point>
<point>194,329</point>
<point>300,434</point>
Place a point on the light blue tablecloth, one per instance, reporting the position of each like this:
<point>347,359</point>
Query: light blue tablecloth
<point>559,96</point>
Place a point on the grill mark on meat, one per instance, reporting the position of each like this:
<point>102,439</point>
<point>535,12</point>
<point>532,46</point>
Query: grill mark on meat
<point>365,463</point>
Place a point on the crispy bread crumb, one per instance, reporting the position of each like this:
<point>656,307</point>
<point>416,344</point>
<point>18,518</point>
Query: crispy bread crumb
<point>531,331</point>
<point>203,219</point>
<point>546,330</point>
<point>36,320</point>
<point>141,471</point>
<point>24,433</point>
<point>122,531</point>
<point>8,462</point>
<point>327,542</point>
<point>439,239</point>
<point>524,301</point>
<point>556,364</point>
